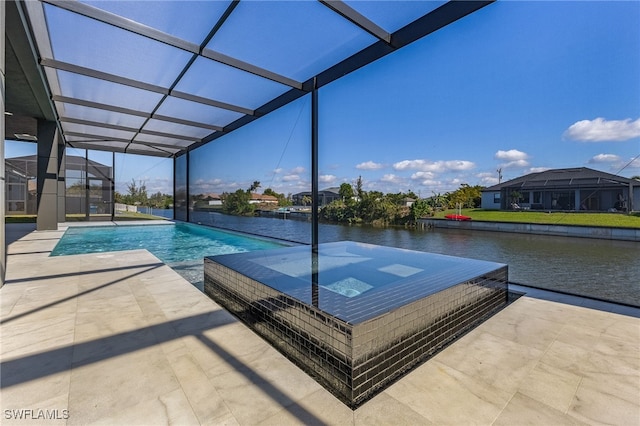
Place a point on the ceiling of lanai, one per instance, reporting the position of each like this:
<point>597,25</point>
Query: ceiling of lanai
<point>162,77</point>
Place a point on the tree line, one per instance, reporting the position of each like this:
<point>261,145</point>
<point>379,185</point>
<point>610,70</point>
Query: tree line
<point>355,205</point>
<point>137,196</point>
<point>238,202</point>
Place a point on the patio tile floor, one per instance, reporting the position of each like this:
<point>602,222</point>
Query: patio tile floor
<point>120,338</point>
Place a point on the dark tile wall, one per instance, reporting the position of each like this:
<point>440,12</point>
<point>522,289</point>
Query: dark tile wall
<point>354,361</point>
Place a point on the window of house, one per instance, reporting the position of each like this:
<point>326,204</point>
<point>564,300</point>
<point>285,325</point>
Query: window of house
<point>537,197</point>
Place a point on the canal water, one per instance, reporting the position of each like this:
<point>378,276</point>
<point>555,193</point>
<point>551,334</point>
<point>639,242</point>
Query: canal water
<point>602,269</point>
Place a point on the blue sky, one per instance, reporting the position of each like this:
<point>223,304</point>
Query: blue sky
<point>521,86</point>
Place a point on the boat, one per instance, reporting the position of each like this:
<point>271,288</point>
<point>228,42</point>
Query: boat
<point>457,217</point>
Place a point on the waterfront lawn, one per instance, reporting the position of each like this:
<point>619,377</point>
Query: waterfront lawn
<point>26,218</point>
<point>136,216</point>
<point>616,220</point>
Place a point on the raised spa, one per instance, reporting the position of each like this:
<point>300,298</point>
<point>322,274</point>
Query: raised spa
<point>356,316</point>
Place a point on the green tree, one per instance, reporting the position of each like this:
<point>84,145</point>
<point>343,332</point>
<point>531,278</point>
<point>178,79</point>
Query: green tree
<point>420,209</point>
<point>271,192</point>
<point>412,194</point>
<point>371,207</point>
<point>438,201</point>
<point>466,196</point>
<point>346,192</point>
<point>339,211</point>
<point>77,189</point>
<point>237,203</point>
<point>136,194</point>
<point>359,190</point>
<point>160,200</point>
<point>515,197</point>
<point>254,186</point>
<point>283,200</point>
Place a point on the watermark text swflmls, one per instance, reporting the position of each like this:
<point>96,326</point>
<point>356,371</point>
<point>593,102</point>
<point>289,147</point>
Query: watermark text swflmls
<point>36,414</point>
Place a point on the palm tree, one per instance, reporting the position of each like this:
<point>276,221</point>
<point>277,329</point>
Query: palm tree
<point>254,186</point>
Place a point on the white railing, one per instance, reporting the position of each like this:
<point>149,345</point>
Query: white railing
<point>126,208</point>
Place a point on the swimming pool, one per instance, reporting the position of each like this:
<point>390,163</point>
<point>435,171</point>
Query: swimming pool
<point>182,246</point>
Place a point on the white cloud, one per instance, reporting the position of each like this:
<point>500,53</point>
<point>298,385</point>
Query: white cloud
<point>511,155</point>
<point>369,165</point>
<point>615,163</point>
<point>297,170</point>
<point>458,165</point>
<point>635,163</point>
<point>515,164</point>
<point>513,159</point>
<point>409,164</point>
<point>326,178</point>
<point>487,179</point>
<point>485,175</point>
<point>490,181</point>
<point>278,170</point>
<point>430,182</point>
<point>422,175</point>
<point>391,178</point>
<point>538,169</point>
<point>208,184</point>
<point>602,130</point>
<point>290,178</point>
<point>604,158</point>
<point>434,166</point>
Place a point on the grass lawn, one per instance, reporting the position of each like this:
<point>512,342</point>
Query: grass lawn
<point>137,216</point>
<point>616,220</point>
<point>20,219</point>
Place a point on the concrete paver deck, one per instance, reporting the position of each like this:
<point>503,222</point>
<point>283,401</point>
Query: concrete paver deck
<point>120,338</point>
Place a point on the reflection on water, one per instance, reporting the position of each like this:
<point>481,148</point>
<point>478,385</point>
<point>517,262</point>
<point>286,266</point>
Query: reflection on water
<point>597,268</point>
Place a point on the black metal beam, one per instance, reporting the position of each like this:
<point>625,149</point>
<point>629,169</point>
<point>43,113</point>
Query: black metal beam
<point>250,68</point>
<point>112,108</point>
<point>352,15</point>
<point>127,129</point>
<point>94,139</point>
<point>90,72</point>
<point>421,27</point>
<point>315,208</point>
<point>211,102</point>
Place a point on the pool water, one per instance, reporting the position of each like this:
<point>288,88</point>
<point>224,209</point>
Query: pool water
<point>182,246</point>
<point>357,281</point>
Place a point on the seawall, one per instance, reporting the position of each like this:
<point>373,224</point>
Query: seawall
<point>603,233</point>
